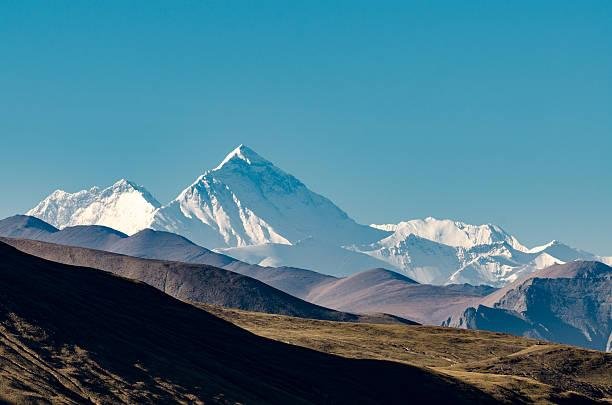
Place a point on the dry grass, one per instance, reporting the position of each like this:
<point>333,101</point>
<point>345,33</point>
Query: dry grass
<point>510,368</point>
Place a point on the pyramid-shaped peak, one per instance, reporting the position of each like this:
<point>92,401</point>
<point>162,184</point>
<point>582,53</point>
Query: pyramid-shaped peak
<point>124,183</point>
<point>127,186</point>
<point>245,154</point>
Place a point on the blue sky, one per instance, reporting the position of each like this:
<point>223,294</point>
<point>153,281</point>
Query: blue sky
<point>480,111</point>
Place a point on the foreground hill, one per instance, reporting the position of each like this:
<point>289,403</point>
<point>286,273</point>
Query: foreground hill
<point>192,282</point>
<point>568,303</point>
<point>512,369</point>
<point>78,335</point>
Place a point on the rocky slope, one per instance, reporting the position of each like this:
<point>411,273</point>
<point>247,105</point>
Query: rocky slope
<point>569,303</point>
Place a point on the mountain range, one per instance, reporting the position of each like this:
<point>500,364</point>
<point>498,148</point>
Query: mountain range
<point>567,303</point>
<point>202,280</point>
<point>88,245</point>
<point>249,209</point>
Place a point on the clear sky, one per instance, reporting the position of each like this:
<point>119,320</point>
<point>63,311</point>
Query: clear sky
<point>482,111</point>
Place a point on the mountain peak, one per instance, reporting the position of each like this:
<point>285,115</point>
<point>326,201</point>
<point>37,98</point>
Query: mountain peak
<point>243,154</point>
<point>124,206</point>
<point>124,183</point>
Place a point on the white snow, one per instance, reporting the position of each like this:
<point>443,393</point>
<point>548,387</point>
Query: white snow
<point>248,207</point>
<point>472,254</point>
<point>249,201</point>
<point>385,227</point>
<point>606,259</point>
<point>448,232</point>
<point>124,206</point>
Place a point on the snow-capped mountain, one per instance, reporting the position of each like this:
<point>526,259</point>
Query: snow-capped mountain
<point>448,232</point>
<point>421,259</point>
<point>450,252</point>
<point>124,206</point>
<point>248,207</point>
<point>431,262</point>
<point>246,200</point>
<point>563,252</point>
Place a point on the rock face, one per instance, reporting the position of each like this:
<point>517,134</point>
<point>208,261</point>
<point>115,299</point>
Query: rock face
<point>570,303</point>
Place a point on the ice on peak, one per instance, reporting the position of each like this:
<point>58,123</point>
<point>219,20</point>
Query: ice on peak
<point>448,232</point>
<point>125,183</point>
<point>542,248</point>
<point>124,206</point>
<point>243,153</point>
<point>247,200</point>
<point>57,193</point>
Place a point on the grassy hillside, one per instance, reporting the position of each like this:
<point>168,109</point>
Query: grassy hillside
<point>509,368</point>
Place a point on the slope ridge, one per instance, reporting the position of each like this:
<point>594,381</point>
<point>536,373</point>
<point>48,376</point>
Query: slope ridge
<point>190,282</point>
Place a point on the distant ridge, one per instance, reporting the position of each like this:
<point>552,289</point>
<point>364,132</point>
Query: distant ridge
<point>567,303</point>
<point>191,282</point>
<point>151,244</point>
<point>25,226</point>
<point>381,290</point>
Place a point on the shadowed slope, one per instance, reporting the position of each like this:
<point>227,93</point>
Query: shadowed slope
<point>75,335</point>
<point>160,245</point>
<point>191,282</point>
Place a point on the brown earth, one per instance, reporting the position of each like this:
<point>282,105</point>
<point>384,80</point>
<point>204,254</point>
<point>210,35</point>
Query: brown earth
<point>510,368</point>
